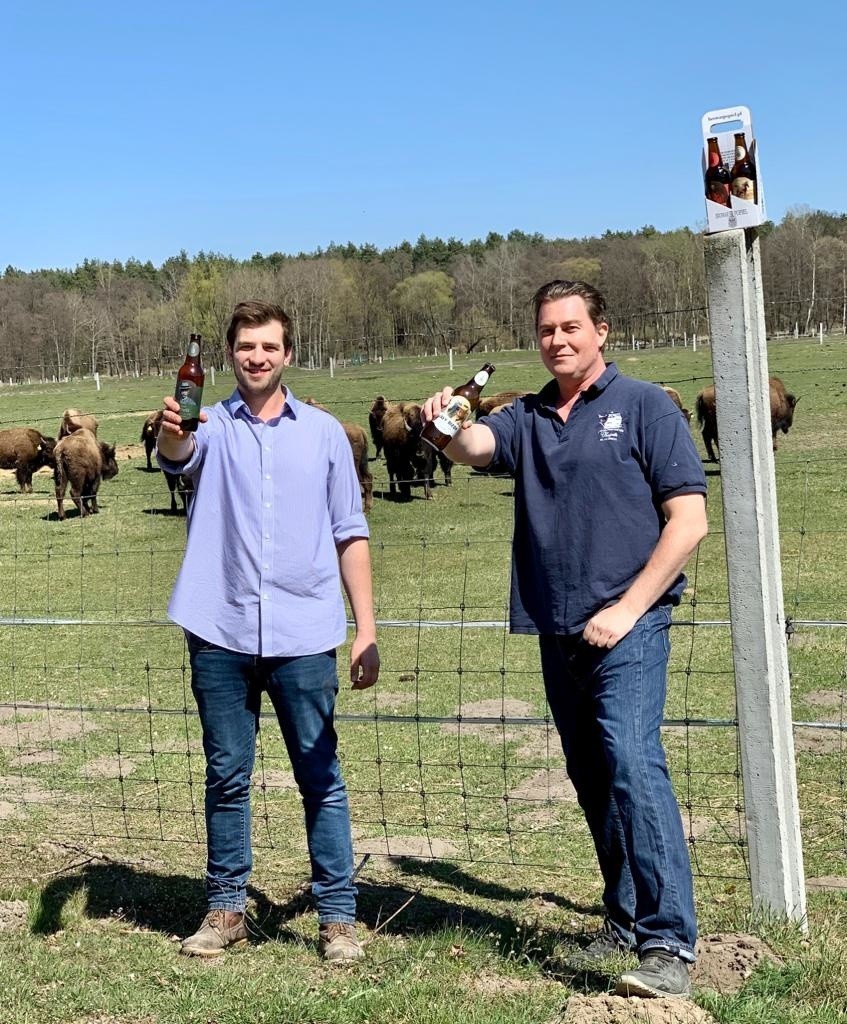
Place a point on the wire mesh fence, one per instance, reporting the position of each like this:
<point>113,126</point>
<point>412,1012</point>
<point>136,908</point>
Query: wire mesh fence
<point>453,754</point>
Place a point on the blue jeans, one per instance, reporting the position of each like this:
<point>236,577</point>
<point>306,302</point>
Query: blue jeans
<point>608,706</point>
<point>227,686</point>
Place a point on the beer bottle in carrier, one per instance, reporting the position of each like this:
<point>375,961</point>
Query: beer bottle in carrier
<point>189,385</point>
<point>717,176</point>
<point>743,172</point>
<point>441,431</point>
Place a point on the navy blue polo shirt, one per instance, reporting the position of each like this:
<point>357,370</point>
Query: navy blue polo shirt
<point>588,495</point>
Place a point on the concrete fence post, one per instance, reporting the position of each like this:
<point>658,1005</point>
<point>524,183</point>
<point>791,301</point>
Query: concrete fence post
<point>759,647</point>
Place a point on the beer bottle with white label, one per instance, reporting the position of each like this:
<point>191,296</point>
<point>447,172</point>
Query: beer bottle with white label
<point>743,172</point>
<point>189,385</point>
<point>441,431</point>
<point>717,176</point>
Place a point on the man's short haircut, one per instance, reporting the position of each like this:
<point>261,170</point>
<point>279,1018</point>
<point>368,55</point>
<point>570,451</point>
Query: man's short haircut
<point>256,314</point>
<point>595,303</point>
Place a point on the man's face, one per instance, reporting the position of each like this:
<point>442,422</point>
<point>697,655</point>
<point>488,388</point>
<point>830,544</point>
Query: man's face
<point>570,343</point>
<point>258,359</point>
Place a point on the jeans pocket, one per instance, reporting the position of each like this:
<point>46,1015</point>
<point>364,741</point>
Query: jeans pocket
<point>196,644</point>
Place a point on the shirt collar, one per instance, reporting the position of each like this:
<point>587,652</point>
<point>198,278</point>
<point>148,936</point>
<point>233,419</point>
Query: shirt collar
<point>238,407</point>
<point>549,394</point>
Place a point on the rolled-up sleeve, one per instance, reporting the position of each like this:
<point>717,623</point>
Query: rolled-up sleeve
<point>344,496</point>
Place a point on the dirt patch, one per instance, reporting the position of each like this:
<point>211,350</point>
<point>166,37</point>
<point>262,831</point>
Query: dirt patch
<point>388,701</point>
<point>828,883</point>
<point>408,846</point>
<point>697,826</point>
<point>552,784</point>
<point>23,790</point>
<point>274,778</point>
<point>131,451</point>
<point>540,743</point>
<point>13,915</point>
<point>486,984</point>
<point>725,962</point>
<point>494,708</point>
<point>823,698</point>
<point>108,768</point>
<point>819,741</point>
<point>6,809</point>
<point>31,757</point>
<point>618,1010</point>
<point>44,726</point>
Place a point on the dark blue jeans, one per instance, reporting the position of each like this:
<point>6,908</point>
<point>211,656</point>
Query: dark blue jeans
<point>608,706</point>
<point>227,687</point>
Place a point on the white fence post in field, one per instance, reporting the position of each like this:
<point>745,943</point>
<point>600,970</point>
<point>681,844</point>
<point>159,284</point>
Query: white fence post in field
<point>97,380</point>
<point>331,367</point>
<point>759,649</point>
<point>213,376</point>
<point>451,359</point>
<point>820,334</point>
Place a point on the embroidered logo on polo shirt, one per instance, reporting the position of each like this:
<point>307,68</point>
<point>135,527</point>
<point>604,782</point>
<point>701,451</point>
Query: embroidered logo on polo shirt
<point>611,426</point>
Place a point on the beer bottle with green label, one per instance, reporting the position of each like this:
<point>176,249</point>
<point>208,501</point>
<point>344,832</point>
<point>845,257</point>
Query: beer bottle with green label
<point>441,431</point>
<point>189,385</point>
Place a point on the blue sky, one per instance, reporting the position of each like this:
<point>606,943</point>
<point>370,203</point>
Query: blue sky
<point>261,126</point>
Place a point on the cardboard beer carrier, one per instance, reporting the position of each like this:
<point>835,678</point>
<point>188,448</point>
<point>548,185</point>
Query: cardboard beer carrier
<point>731,171</point>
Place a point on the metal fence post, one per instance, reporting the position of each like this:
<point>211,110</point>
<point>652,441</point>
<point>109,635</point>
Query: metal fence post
<point>759,650</point>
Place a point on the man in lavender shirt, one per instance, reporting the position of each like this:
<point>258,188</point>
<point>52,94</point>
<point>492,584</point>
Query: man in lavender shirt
<point>276,520</point>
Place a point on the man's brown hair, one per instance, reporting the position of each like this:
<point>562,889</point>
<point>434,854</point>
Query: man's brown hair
<point>595,303</point>
<point>256,313</point>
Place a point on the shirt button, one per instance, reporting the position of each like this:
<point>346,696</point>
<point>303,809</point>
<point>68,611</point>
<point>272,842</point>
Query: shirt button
<point>267,504</point>
<point>266,567</point>
<point>266,448</point>
<point>267,476</point>
<point>267,536</point>
<point>265,596</point>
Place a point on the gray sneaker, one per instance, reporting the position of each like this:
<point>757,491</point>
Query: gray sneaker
<point>660,973</point>
<point>219,930</point>
<point>606,943</point>
<point>338,943</point>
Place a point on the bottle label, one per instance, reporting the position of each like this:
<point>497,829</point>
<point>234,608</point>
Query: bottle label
<point>740,152</point>
<point>449,421</point>
<point>718,192</point>
<point>189,395</point>
<point>193,349</point>
<point>481,378</point>
<point>744,188</point>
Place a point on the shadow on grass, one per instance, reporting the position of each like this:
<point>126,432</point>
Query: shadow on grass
<point>174,904</point>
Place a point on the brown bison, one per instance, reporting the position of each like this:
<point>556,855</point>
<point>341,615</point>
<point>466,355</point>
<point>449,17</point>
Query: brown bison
<point>359,446</point>
<point>73,419</point>
<point>375,415</point>
<point>676,398</point>
<point>82,461</point>
<point>494,403</point>
<point>782,414</point>
<point>149,433</point>
<point>407,456</point>
<point>25,450</point>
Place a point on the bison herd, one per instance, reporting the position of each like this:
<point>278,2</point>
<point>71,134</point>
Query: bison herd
<point>82,462</point>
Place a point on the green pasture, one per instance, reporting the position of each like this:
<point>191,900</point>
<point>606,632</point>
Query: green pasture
<point>451,765</point>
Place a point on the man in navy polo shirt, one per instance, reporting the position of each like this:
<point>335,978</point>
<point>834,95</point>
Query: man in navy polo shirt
<point>609,504</point>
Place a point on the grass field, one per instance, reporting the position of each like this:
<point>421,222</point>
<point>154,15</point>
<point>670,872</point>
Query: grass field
<point>451,765</point>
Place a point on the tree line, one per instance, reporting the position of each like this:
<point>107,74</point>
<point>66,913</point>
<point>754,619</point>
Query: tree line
<point>359,302</point>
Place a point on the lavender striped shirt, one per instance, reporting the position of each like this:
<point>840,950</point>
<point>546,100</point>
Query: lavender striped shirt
<point>272,500</point>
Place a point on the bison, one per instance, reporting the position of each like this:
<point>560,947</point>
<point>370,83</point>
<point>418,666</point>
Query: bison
<point>782,414</point>
<point>149,433</point>
<point>73,419</point>
<point>407,456</point>
<point>179,483</point>
<point>358,440</point>
<point>494,403</point>
<point>676,398</point>
<point>375,415</point>
<point>82,461</point>
<point>25,450</point>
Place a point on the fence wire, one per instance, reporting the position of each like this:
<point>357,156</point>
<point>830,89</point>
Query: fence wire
<point>453,755</point>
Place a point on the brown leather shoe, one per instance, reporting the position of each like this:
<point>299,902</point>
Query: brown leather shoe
<point>337,942</point>
<point>219,930</point>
